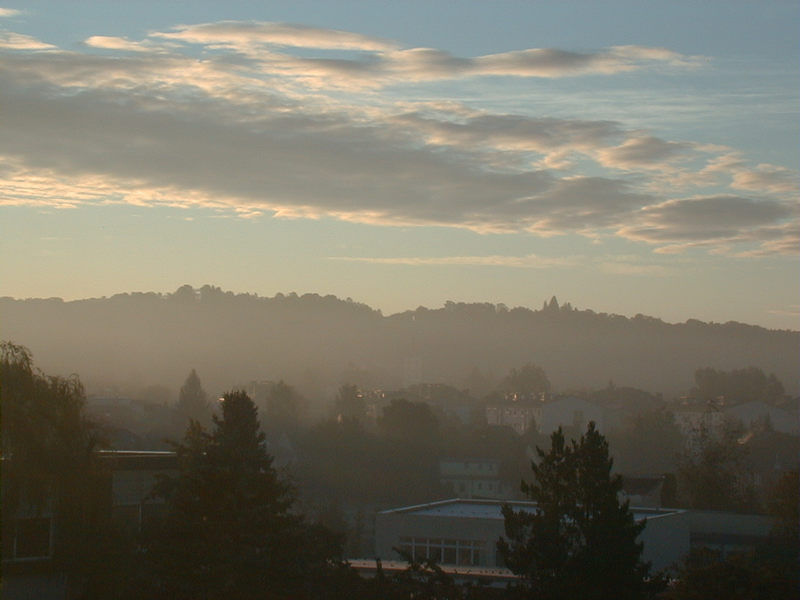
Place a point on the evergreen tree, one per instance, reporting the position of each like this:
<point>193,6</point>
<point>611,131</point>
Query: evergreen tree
<point>579,542</point>
<point>193,401</point>
<point>230,529</point>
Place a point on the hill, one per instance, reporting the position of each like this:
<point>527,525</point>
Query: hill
<point>318,342</point>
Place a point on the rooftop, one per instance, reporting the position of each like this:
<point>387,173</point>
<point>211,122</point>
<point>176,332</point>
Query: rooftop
<point>491,509</point>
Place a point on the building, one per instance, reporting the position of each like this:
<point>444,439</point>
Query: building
<point>700,420</point>
<point>567,411</point>
<point>134,474</point>
<point>727,533</point>
<point>130,477</point>
<point>516,415</point>
<point>474,478</point>
<point>642,491</point>
<point>464,533</point>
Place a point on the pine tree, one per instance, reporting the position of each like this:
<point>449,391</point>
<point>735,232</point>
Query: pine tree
<point>230,529</point>
<point>193,401</point>
<point>580,542</point>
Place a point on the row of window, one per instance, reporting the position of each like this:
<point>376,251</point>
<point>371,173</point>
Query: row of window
<point>469,486</point>
<point>444,551</point>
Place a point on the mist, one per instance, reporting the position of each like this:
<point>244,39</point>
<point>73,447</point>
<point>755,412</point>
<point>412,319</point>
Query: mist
<point>131,341</point>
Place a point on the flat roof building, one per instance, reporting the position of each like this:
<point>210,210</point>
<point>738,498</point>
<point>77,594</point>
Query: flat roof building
<point>465,532</point>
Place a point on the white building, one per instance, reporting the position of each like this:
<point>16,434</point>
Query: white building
<point>516,415</point>
<point>474,478</point>
<point>465,533</point>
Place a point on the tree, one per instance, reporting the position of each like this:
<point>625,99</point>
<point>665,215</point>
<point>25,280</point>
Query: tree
<point>711,473</point>
<point>230,529</point>
<point>350,404</point>
<point>768,573</point>
<point>529,381</point>
<point>50,468</point>
<point>412,423</point>
<point>738,385</point>
<point>283,409</point>
<point>649,443</point>
<point>193,400</point>
<point>580,541</point>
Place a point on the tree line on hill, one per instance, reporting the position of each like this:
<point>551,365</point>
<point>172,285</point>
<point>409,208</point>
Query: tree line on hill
<point>319,342</point>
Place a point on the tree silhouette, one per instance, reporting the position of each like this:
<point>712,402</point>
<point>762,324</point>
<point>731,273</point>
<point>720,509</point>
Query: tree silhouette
<point>193,400</point>
<point>711,473</point>
<point>49,464</point>
<point>284,407</point>
<point>350,404</point>
<point>230,530</point>
<point>529,381</point>
<point>579,542</point>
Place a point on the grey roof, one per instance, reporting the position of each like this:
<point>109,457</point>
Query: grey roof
<point>491,509</point>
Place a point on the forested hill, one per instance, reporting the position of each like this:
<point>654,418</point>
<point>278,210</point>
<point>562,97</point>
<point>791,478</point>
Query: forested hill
<point>317,343</point>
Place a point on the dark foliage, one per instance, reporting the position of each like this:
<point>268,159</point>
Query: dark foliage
<point>193,401</point>
<point>350,404</point>
<point>230,529</point>
<point>738,385</point>
<point>580,542</point>
<point>314,339</point>
<point>528,382</point>
<point>50,468</point>
<point>739,577</point>
<point>710,474</point>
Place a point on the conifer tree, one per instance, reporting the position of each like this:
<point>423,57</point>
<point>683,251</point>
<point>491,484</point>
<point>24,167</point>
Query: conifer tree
<point>230,529</point>
<point>580,541</point>
<point>193,400</point>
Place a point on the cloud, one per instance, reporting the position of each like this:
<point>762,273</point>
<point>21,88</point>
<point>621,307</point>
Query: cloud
<point>9,12</point>
<point>430,64</point>
<point>547,62</point>
<point>639,270</point>
<point>17,41</point>
<point>530,261</point>
<point>642,152</point>
<point>771,178</point>
<point>380,62</point>
<point>791,311</point>
<point>513,132</point>
<point>704,221</point>
<point>243,125</point>
<point>247,36</point>
<point>116,43</point>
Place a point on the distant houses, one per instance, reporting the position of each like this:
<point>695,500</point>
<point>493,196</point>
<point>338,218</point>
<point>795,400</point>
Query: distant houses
<point>546,416</point>
<point>475,478</point>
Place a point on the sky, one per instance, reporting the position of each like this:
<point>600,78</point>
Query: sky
<point>627,157</point>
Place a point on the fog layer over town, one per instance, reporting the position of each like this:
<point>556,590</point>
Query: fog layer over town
<point>129,342</point>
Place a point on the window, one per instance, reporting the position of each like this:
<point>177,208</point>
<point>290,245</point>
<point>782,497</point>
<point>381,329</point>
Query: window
<point>447,552</point>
